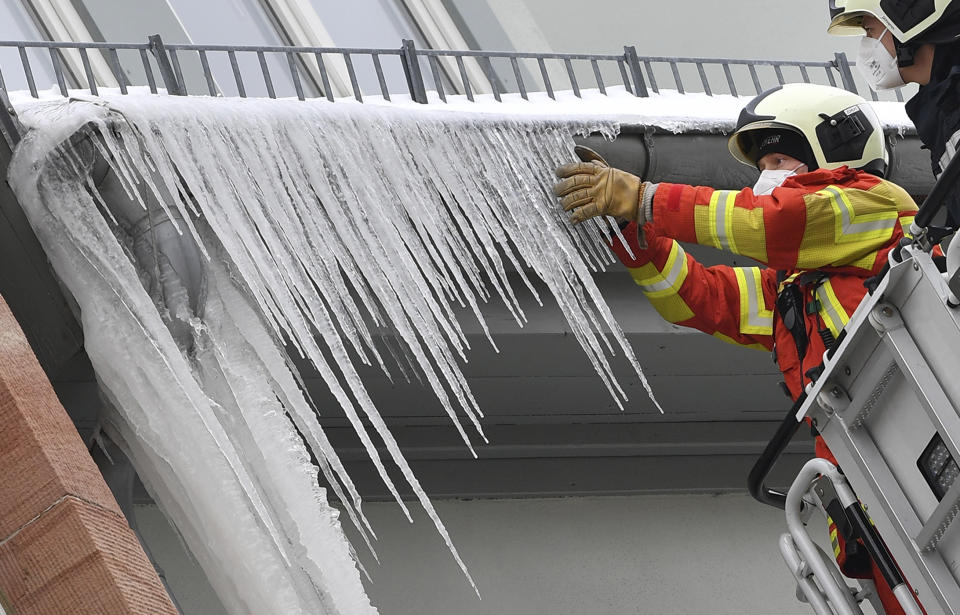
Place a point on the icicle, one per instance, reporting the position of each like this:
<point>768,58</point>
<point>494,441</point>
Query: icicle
<point>333,229</point>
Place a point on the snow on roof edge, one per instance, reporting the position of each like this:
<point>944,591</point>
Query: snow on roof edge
<point>667,110</point>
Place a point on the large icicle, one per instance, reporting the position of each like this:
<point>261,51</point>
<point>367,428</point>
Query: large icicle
<point>311,224</point>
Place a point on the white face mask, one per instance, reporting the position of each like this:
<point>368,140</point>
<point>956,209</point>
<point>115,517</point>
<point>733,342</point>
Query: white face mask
<point>877,66</point>
<point>771,179</point>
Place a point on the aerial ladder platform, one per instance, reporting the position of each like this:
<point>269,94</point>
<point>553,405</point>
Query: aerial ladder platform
<point>886,400</point>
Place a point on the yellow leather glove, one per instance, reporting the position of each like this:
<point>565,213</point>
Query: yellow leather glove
<point>594,188</point>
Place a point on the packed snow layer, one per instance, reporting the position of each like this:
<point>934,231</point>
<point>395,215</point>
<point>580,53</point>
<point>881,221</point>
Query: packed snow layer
<point>232,232</point>
<point>668,110</point>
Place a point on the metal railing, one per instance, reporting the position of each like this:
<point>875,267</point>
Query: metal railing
<point>306,70</point>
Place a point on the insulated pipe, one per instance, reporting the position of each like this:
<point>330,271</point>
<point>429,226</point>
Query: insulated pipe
<point>701,158</point>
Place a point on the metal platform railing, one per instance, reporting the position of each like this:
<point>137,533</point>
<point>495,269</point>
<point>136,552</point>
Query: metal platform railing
<point>305,72</point>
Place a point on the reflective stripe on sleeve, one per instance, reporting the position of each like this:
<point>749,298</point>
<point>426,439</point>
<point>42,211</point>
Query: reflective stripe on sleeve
<point>662,288</point>
<point>721,219</point>
<point>831,310</point>
<point>755,318</point>
<point>851,226</point>
<point>671,278</point>
<point>905,222</point>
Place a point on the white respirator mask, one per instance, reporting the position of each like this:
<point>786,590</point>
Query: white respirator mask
<point>877,66</point>
<point>771,179</point>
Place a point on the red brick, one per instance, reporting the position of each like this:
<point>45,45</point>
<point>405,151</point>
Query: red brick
<point>80,555</point>
<point>41,453</point>
<point>65,547</point>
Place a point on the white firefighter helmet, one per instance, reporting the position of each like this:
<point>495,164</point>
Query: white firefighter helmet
<point>917,21</point>
<point>839,127</point>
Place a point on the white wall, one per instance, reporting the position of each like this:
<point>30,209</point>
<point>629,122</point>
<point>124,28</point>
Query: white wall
<point>668,554</point>
<point>741,29</point>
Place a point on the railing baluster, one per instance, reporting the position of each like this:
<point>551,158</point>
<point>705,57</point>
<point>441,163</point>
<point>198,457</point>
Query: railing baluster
<point>28,72</point>
<point>846,76</point>
<point>114,59</point>
<point>516,73</point>
<point>830,77</point>
<point>756,78</point>
<point>58,71</point>
<point>623,75</point>
<point>324,80</point>
<point>899,94</point>
<point>353,77</point>
<point>148,71</point>
<point>487,67</point>
<point>676,76</point>
<point>435,71</point>
<point>464,79</point>
<point>546,78</point>
<point>572,77</point>
<point>633,61</point>
<point>653,78</point>
<point>211,85</point>
<point>295,75</point>
<point>237,77</point>
<point>703,79</point>
<point>596,73</point>
<point>178,72</point>
<point>730,81</point>
<point>88,71</point>
<point>170,82</point>
<point>267,81</point>
<point>383,82</point>
<point>803,73</point>
<point>779,73</point>
<point>411,71</point>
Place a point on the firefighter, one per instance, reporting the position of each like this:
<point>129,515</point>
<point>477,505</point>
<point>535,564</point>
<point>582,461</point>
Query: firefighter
<point>821,218</point>
<point>912,43</point>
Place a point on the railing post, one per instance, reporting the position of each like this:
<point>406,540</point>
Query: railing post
<point>170,82</point>
<point>12,128</point>
<point>411,70</point>
<point>846,76</point>
<point>633,61</point>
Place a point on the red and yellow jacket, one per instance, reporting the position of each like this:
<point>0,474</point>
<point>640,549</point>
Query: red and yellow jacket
<point>840,222</point>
